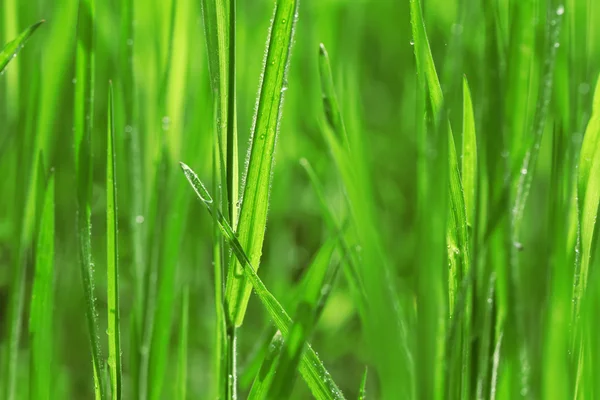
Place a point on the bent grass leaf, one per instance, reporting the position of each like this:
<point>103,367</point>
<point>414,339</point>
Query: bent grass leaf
<point>255,200</point>
<point>267,370</point>
<point>312,369</point>
<point>10,49</point>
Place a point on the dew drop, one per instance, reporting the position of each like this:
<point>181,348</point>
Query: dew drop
<point>74,81</point>
<point>139,219</point>
<point>556,45</point>
<point>560,10</point>
<point>412,42</point>
<point>523,171</point>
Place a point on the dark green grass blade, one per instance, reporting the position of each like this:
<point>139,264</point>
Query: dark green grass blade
<point>112,256</point>
<point>330,102</point>
<point>362,390</point>
<point>182,372</point>
<point>10,49</point>
<point>268,368</point>
<point>253,213</point>
<point>304,321</point>
<point>42,304</point>
<point>84,117</point>
<point>311,367</point>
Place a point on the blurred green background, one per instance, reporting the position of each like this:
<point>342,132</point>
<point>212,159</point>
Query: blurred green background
<point>170,100</point>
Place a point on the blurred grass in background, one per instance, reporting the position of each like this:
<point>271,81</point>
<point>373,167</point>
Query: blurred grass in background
<point>520,321</point>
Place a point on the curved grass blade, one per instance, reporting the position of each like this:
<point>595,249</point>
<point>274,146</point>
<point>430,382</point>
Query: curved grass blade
<point>330,102</point>
<point>588,193</point>
<point>255,200</point>
<point>84,117</point>
<point>362,391</point>
<point>311,367</point>
<point>304,322</point>
<point>42,304</point>
<point>264,377</point>
<point>10,49</point>
<point>112,256</point>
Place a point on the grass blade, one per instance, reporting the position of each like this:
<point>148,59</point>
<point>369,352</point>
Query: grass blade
<point>469,155</point>
<point>268,368</point>
<point>588,193</point>
<point>311,367</point>
<point>42,304</point>
<point>362,391</point>
<point>10,49</point>
<point>304,321</point>
<point>253,213</point>
<point>112,256</point>
<point>84,117</point>
<point>181,391</point>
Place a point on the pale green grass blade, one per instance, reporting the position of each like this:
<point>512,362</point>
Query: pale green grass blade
<point>112,256</point>
<point>311,367</point>
<point>304,321</point>
<point>469,155</point>
<point>362,390</point>
<point>42,304</point>
<point>268,368</point>
<point>10,49</point>
<point>255,199</point>
<point>84,117</point>
<point>182,372</point>
<point>588,192</point>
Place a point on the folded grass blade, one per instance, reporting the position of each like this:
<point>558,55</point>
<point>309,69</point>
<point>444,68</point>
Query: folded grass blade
<point>112,256</point>
<point>255,200</point>
<point>42,304</point>
<point>312,369</point>
<point>10,49</point>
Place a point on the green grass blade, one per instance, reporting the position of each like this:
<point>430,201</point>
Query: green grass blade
<point>330,102</point>
<point>588,192</point>
<point>112,256</point>
<point>311,367</point>
<point>42,304</point>
<point>362,390</point>
<point>10,49</point>
<point>304,321</point>
<point>84,117</point>
<point>268,368</point>
<point>469,155</point>
<point>182,373</point>
<point>255,200</point>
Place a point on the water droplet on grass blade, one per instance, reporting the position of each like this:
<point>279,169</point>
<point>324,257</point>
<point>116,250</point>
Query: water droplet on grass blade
<point>560,10</point>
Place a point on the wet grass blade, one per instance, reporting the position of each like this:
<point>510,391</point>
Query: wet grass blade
<point>10,49</point>
<point>42,304</point>
<point>84,117</point>
<point>311,367</point>
<point>112,256</point>
<point>304,322</point>
<point>255,199</point>
<point>268,368</point>
<point>588,193</point>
